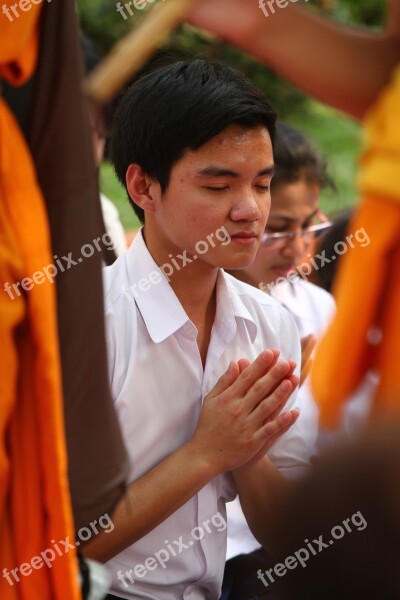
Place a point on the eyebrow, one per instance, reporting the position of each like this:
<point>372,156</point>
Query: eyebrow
<point>213,171</point>
<point>291,219</point>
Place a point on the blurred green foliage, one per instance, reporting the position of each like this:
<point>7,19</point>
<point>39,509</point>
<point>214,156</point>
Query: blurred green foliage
<point>362,12</point>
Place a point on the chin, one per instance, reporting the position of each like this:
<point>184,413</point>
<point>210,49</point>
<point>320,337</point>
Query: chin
<point>234,261</point>
<point>241,262</point>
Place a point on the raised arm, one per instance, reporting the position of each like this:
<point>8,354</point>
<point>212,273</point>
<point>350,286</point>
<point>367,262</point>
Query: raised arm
<point>341,66</point>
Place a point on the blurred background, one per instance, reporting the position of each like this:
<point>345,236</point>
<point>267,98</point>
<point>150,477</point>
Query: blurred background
<point>337,136</point>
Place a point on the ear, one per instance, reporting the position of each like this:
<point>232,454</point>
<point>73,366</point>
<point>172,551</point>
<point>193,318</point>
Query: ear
<point>143,190</point>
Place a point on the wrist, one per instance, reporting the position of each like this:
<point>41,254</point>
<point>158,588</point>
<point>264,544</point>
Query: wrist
<point>200,461</point>
<point>250,469</point>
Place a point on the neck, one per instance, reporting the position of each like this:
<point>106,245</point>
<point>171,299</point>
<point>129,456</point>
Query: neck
<point>242,275</point>
<point>194,283</point>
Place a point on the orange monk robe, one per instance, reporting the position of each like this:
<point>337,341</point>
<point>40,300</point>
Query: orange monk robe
<point>368,284</point>
<point>34,496</point>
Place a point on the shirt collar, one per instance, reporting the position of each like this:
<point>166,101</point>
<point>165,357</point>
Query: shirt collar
<point>161,309</point>
<point>231,308</point>
<point>159,306</point>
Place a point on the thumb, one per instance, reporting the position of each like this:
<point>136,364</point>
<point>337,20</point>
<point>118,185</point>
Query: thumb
<point>226,380</point>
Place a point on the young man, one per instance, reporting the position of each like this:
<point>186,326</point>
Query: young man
<point>192,142</point>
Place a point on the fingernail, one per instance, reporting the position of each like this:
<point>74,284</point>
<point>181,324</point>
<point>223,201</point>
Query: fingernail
<point>286,416</point>
<point>283,367</point>
<point>286,386</point>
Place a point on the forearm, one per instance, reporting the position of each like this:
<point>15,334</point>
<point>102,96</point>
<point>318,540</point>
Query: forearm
<point>150,500</point>
<point>341,66</point>
<point>261,488</point>
<point>344,67</point>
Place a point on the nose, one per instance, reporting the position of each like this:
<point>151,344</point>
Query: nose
<point>296,247</point>
<point>246,208</point>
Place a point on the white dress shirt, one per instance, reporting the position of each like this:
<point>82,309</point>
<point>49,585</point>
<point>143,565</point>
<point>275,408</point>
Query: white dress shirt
<point>158,384</point>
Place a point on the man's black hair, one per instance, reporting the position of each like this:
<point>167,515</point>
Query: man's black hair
<point>180,107</point>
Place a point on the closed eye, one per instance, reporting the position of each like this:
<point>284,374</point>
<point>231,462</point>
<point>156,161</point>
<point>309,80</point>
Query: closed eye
<point>261,188</point>
<point>216,189</point>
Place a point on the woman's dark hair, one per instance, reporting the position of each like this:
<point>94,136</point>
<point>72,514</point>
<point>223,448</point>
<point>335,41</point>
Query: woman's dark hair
<point>295,158</point>
<point>180,107</point>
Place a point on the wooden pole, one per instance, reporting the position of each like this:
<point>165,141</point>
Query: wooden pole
<point>132,52</point>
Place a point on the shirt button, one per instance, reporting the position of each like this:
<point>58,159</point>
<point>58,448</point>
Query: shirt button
<point>189,332</point>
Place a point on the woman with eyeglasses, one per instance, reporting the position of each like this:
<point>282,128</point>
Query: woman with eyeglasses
<point>294,222</point>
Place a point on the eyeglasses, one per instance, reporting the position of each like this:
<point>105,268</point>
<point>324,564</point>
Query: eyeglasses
<point>281,239</point>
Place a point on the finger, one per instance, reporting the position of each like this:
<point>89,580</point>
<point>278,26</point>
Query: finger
<point>305,371</point>
<point>294,380</point>
<point>243,364</point>
<point>277,428</point>
<point>252,374</point>
<point>266,385</point>
<point>293,366</point>
<point>275,359</point>
<point>308,350</point>
<point>275,413</point>
<point>304,354</point>
<point>276,356</point>
<point>304,341</point>
<point>273,405</point>
<point>226,380</point>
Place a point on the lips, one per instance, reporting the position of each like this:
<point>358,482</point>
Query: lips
<point>244,235</point>
<point>284,270</point>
